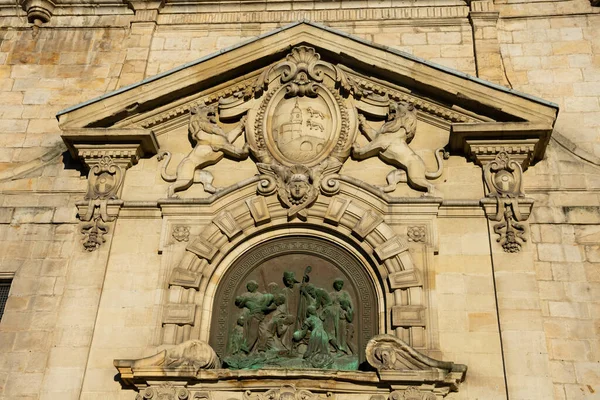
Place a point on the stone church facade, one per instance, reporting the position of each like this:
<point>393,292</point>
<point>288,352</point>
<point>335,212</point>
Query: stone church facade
<point>234,200</point>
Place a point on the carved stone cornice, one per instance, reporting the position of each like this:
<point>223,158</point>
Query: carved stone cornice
<point>401,373</point>
<point>525,142</point>
<point>482,12</point>
<point>124,146</point>
<point>107,154</point>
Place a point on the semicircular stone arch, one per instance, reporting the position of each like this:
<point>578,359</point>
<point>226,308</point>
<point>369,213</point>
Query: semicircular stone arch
<point>398,283</point>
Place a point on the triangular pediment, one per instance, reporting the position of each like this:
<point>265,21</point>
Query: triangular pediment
<point>306,102</point>
<point>442,96</point>
<point>448,89</point>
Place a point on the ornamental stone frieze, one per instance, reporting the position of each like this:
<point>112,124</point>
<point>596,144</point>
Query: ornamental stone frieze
<point>107,155</point>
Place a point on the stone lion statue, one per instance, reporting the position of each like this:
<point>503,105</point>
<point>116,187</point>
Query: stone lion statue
<point>212,144</point>
<point>390,143</point>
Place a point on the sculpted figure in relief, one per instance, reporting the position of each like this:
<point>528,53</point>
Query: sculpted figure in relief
<point>212,144</point>
<point>390,143</point>
<point>293,327</point>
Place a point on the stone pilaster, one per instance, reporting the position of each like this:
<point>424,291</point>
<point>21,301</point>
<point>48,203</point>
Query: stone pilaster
<point>488,59</point>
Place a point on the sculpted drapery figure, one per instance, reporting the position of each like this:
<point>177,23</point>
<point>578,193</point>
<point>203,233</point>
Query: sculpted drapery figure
<point>317,350</point>
<point>256,306</point>
<point>338,316</point>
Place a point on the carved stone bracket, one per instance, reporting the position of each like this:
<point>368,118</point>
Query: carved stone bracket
<point>107,154</point>
<point>503,161</point>
<point>524,141</point>
<point>38,11</point>
<point>504,180</point>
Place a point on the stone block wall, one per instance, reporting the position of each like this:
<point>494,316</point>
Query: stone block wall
<point>546,300</point>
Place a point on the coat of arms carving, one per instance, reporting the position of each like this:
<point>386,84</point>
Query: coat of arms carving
<point>300,120</point>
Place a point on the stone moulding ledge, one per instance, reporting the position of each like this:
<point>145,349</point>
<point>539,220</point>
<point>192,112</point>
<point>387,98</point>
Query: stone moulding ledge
<point>368,382</point>
<point>135,209</point>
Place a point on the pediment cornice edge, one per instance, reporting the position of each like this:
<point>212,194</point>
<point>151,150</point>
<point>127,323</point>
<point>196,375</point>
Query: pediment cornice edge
<point>252,55</point>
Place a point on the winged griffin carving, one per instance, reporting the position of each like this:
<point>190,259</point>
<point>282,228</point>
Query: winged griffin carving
<point>299,121</point>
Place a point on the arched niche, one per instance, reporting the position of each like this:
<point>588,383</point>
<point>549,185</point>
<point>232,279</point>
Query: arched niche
<point>265,264</point>
<point>243,221</point>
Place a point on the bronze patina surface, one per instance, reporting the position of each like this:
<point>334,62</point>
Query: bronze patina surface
<point>295,302</point>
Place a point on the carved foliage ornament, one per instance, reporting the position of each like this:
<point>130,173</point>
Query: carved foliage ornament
<point>286,392</point>
<point>504,180</point>
<point>93,233</point>
<point>105,179</point>
<point>164,392</point>
<point>181,233</point>
<point>416,233</point>
<point>412,393</point>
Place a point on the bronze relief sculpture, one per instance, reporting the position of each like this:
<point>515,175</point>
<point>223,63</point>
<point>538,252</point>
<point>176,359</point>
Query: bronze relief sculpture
<point>299,325</point>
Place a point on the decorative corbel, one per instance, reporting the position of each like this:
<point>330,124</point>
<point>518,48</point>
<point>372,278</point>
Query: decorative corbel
<point>504,180</point>
<point>504,151</point>
<point>107,154</point>
<point>38,12</point>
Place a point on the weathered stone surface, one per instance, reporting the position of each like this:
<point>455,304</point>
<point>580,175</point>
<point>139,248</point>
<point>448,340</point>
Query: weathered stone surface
<point>70,312</point>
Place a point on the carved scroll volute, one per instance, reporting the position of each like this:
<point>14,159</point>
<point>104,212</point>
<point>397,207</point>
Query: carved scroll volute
<point>394,360</point>
<point>504,180</point>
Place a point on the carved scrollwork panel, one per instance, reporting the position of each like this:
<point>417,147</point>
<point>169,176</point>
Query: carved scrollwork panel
<point>164,392</point>
<point>504,180</point>
<point>411,393</point>
<point>286,392</point>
